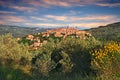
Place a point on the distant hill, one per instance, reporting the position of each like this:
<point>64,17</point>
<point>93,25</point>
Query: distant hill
<point>107,33</point>
<point>18,31</point>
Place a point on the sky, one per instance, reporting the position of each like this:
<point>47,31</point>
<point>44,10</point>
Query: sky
<point>59,13</point>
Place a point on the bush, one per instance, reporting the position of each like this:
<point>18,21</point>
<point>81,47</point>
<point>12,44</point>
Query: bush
<point>11,51</point>
<point>65,56</point>
<point>42,61</point>
<point>107,60</point>
<point>71,55</point>
<point>14,56</point>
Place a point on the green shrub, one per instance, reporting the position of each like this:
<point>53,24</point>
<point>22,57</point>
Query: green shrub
<point>42,61</point>
<point>11,51</point>
<point>107,61</point>
<point>14,57</point>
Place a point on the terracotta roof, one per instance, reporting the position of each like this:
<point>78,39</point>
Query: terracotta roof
<point>59,32</point>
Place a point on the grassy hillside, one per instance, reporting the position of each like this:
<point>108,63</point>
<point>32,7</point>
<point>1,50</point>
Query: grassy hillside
<point>19,31</point>
<point>107,33</point>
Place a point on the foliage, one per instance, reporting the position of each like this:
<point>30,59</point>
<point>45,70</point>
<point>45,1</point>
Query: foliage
<point>10,73</point>
<point>42,61</point>
<point>67,58</point>
<point>10,50</point>
<point>68,55</point>
<point>107,60</point>
<point>66,62</point>
<point>107,33</point>
<point>14,57</point>
<point>78,51</point>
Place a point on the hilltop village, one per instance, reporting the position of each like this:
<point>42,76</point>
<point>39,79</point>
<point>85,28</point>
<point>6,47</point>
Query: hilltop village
<point>39,39</point>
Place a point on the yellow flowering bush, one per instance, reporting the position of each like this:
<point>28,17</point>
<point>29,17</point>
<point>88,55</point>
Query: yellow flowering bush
<point>107,59</point>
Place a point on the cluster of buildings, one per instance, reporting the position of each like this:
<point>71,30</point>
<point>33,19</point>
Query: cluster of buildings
<point>63,32</point>
<point>36,42</point>
<point>59,32</point>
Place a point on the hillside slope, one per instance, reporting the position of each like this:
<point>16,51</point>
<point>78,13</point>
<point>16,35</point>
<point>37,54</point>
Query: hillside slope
<point>19,31</point>
<point>107,33</point>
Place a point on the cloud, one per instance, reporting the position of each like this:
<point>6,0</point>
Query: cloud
<point>109,5</point>
<point>84,18</point>
<point>88,21</point>
<point>7,12</point>
<point>43,24</point>
<point>73,12</point>
<point>2,22</point>
<point>56,3</point>
<point>35,3</point>
<point>89,25</point>
<point>80,25</point>
<point>22,8</point>
<point>6,3</point>
<point>1,2</point>
<point>93,18</point>
<point>40,19</point>
<point>71,3</point>
<point>59,18</point>
<point>48,3</point>
<point>13,19</point>
<point>52,3</point>
<point>17,6</point>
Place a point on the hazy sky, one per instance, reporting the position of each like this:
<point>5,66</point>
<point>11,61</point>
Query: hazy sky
<point>58,13</point>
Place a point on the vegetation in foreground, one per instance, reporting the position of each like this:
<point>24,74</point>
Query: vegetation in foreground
<point>67,59</point>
